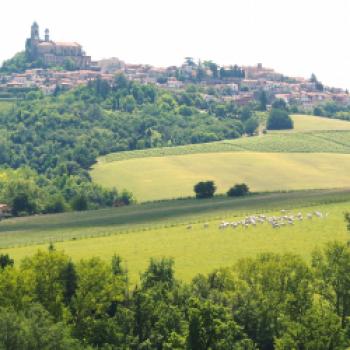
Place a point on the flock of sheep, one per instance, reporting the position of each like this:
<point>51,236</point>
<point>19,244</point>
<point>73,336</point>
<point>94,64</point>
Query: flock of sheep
<point>285,219</point>
<point>275,221</point>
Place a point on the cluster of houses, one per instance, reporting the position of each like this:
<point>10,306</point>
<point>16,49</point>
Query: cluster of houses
<point>239,89</point>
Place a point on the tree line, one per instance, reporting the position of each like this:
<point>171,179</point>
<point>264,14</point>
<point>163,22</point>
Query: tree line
<point>272,301</point>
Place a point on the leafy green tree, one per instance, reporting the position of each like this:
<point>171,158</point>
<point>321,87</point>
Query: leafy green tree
<point>251,125</point>
<point>245,113</point>
<point>238,190</point>
<point>280,104</point>
<point>70,281</point>
<point>205,189</point>
<point>23,196</point>
<point>5,261</point>
<point>185,111</point>
<point>161,271</point>
<point>97,288</point>
<point>319,329</point>
<point>332,269</point>
<point>128,103</point>
<point>80,203</point>
<point>211,327</point>
<point>262,100</point>
<point>70,65</point>
<point>44,271</point>
<point>279,120</point>
<point>271,289</point>
<point>17,64</point>
<point>318,111</point>
<point>13,334</point>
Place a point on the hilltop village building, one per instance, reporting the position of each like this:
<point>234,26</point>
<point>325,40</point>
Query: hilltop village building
<point>52,53</point>
<point>241,87</point>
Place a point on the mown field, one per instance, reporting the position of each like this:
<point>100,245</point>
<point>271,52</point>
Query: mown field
<point>174,176</point>
<point>95,223</point>
<point>301,159</point>
<point>200,250</point>
<point>305,123</point>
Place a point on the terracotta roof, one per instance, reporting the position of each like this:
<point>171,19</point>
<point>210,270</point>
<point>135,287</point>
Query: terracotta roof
<point>45,43</point>
<point>58,43</point>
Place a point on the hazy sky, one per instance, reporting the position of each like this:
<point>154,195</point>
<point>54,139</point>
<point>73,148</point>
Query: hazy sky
<point>296,37</point>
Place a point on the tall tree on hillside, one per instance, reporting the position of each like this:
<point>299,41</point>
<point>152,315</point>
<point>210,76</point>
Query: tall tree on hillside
<point>205,189</point>
<point>332,268</point>
<point>262,100</point>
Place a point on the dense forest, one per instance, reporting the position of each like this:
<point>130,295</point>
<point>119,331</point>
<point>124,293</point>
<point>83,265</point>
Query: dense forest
<point>52,141</point>
<point>268,302</point>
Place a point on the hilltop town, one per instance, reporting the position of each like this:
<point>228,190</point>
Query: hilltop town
<point>62,65</point>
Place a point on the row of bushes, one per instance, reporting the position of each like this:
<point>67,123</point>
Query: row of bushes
<point>206,189</point>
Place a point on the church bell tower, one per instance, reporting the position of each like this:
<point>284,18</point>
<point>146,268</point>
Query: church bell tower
<point>47,35</point>
<point>35,32</point>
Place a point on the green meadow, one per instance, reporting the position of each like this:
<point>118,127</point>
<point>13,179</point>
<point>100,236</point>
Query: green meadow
<point>31,230</point>
<point>303,170</point>
<point>156,178</point>
<point>302,159</point>
<point>199,249</point>
<point>305,123</point>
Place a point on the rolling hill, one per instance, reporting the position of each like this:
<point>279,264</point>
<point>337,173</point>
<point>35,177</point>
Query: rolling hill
<point>301,159</point>
<point>140,232</point>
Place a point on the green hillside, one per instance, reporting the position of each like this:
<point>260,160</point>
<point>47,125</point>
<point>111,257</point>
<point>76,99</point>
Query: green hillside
<point>214,248</point>
<point>174,176</point>
<point>75,225</point>
<point>307,162</point>
<point>304,123</point>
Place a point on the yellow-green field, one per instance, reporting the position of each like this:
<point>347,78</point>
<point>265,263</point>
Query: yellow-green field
<point>302,159</point>
<point>303,123</point>
<point>200,250</point>
<point>174,176</point>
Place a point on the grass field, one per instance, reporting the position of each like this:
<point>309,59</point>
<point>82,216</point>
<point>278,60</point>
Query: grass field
<point>304,123</point>
<point>315,155</point>
<point>200,250</point>
<point>174,176</point>
<point>79,225</point>
<point>308,142</point>
<point>287,160</point>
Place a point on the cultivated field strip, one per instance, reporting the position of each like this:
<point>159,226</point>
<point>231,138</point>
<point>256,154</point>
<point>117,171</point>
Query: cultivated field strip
<point>308,142</point>
<point>29,231</point>
<point>202,246</point>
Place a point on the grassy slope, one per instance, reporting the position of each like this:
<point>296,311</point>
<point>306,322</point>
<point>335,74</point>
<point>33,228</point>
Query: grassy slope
<point>200,250</point>
<point>174,176</point>
<point>304,123</point>
<point>46,228</point>
<point>311,134</point>
<point>159,175</point>
<point>159,229</point>
<point>326,141</point>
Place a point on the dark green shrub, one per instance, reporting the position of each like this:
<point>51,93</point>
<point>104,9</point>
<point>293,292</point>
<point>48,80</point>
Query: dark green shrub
<point>205,189</point>
<point>238,190</point>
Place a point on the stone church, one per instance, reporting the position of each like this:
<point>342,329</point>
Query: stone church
<point>52,53</point>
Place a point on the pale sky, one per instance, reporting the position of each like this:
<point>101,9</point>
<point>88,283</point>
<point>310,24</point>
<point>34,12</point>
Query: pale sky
<point>296,37</point>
